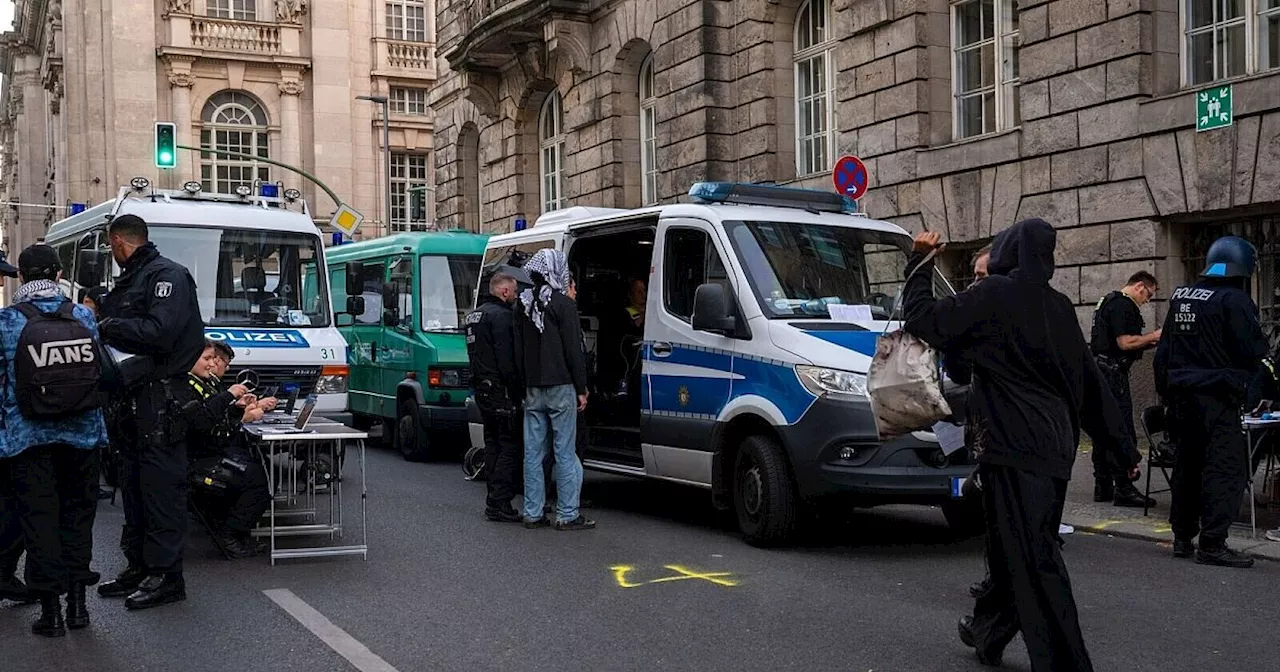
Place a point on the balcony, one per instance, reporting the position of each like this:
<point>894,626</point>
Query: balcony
<point>489,31</point>
<point>227,35</point>
<point>232,39</point>
<point>405,60</point>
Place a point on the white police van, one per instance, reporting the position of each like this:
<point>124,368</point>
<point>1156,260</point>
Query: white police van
<point>740,380</point>
<point>258,261</point>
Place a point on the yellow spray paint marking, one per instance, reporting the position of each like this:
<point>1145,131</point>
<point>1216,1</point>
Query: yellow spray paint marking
<point>724,579</point>
<point>1162,529</point>
<point>1106,523</point>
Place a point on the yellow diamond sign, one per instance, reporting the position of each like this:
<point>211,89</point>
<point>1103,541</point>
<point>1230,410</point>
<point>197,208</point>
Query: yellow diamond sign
<point>346,219</point>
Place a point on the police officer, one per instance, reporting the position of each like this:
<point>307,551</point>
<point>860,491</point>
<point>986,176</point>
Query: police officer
<point>1204,366</point>
<point>491,347</point>
<point>153,311</point>
<point>1117,342</point>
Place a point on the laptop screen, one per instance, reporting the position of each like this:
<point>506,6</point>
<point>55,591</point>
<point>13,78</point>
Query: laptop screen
<point>305,414</point>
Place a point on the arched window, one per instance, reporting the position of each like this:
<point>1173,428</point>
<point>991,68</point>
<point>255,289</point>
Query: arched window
<point>815,108</point>
<point>648,134</point>
<point>233,121</point>
<point>551,152</point>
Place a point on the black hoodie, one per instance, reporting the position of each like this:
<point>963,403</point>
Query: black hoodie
<point>1035,385</point>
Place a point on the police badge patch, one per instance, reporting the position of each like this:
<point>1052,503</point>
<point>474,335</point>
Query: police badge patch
<point>163,289</point>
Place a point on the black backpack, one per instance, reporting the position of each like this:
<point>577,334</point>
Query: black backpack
<point>56,368</point>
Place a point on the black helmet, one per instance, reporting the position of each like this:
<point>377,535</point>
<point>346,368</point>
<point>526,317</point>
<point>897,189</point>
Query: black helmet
<point>1230,257</point>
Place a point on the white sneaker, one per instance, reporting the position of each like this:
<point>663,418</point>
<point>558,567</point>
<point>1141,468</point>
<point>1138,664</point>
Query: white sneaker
<point>1273,535</point>
<point>1064,528</point>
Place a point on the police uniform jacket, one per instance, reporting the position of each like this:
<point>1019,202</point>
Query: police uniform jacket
<point>153,310</point>
<point>211,417</point>
<point>492,350</point>
<point>1212,342</point>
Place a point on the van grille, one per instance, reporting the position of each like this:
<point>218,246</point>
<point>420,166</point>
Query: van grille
<point>287,377</point>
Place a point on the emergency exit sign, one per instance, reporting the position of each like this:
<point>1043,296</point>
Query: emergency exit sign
<point>1213,108</point>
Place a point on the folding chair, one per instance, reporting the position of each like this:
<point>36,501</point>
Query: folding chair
<point>1155,424</point>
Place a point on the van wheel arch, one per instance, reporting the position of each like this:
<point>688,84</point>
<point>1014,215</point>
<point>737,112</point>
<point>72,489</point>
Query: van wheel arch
<point>410,437</point>
<point>727,439</point>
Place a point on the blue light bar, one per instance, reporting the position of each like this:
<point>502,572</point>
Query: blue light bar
<point>269,190</point>
<point>739,193</point>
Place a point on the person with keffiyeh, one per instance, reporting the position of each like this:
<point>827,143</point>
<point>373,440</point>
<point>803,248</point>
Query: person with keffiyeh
<point>551,364</point>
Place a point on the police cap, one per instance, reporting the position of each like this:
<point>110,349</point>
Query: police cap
<point>1230,257</point>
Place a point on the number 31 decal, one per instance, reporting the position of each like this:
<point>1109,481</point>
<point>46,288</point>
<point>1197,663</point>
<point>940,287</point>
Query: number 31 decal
<point>328,353</point>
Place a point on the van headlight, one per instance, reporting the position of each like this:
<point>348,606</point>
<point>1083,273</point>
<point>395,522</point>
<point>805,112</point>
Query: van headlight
<point>837,383</point>
<point>333,380</point>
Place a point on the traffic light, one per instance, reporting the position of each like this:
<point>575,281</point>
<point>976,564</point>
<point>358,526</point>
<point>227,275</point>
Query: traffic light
<point>166,145</point>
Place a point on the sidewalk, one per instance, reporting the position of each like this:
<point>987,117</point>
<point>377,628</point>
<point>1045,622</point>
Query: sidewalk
<point>1104,518</point>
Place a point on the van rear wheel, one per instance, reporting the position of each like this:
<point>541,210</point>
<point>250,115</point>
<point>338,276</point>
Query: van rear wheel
<point>764,497</point>
<point>410,438</point>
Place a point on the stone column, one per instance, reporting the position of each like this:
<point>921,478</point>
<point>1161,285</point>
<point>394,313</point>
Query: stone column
<point>291,88</point>
<point>180,82</point>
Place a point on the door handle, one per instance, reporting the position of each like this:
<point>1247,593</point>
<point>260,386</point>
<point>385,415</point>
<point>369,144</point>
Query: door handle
<point>661,349</point>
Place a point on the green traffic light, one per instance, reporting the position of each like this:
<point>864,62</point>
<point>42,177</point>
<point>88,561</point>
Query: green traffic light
<point>165,157</point>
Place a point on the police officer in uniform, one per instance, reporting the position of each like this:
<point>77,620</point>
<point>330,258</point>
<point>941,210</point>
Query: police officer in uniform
<point>491,348</point>
<point>1117,343</point>
<point>1213,348</point>
<point>151,311</point>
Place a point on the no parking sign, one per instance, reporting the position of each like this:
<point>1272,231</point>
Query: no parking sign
<point>850,177</point>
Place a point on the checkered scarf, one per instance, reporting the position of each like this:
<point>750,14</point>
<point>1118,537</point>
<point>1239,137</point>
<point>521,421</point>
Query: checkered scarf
<point>549,270</point>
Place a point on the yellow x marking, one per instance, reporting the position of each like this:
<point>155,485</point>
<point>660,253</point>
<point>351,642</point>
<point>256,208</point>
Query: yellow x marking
<point>683,574</point>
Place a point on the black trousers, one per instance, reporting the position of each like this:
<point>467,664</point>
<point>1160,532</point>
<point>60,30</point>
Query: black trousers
<point>1030,591</point>
<point>56,488</point>
<point>11,540</point>
<point>1108,464</point>
<point>1212,468</point>
<point>503,455</point>
<point>153,486</point>
<point>246,498</point>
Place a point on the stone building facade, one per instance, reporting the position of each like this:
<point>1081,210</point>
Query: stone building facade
<point>85,82</point>
<point>969,114</point>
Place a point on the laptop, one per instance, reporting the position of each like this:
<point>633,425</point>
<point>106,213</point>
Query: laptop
<point>285,415</point>
<point>299,424</point>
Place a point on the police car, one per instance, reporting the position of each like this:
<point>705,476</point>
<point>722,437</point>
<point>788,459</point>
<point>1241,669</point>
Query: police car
<point>747,373</point>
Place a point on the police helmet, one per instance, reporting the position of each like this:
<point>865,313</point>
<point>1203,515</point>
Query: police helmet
<point>1230,257</point>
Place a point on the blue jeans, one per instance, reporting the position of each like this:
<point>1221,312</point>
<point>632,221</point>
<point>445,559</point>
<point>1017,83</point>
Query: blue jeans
<point>551,417</point>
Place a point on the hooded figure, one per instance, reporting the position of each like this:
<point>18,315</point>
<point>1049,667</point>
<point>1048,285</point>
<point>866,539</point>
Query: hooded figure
<point>1034,387</point>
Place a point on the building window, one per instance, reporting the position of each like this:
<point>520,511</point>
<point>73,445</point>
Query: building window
<point>648,134</point>
<point>233,121</point>
<point>408,211</point>
<point>407,20</point>
<point>1230,38</point>
<point>551,152</point>
<point>409,101</point>
<point>242,10</point>
<point>815,106</point>
<point>985,68</point>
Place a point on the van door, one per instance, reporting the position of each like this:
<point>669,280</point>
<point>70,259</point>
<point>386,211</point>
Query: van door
<point>400,326</point>
<point>687,373</point>
<point>365,337</point>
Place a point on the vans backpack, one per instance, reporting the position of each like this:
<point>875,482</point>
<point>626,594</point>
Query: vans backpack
<point>56,368</point>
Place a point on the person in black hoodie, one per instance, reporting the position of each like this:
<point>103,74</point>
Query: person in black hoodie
<point>1034,387</point>
<point>491,349</point>
<point>554,371</point>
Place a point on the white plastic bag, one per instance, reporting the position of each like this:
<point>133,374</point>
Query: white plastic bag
<point>904,382</point>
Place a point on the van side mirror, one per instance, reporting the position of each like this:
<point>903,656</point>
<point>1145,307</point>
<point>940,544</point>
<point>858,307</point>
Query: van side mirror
<point>355,305</point>
<point>389,318</point>
<point>344,319</point>
<point>90,267</point>
<point>711,310</point>
<point>352,276</point>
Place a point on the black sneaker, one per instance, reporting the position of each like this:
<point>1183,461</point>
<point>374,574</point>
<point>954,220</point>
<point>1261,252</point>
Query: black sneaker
<point>988,658</point>
<point>579,523</point>
<point>981,588</point>
<point>1128,496</point>
<point>509,516</point>
<point>535,524</point>
<point>1183,548</point>
<point>1223,557</point>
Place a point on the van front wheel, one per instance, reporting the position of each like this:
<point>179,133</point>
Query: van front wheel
<point>763,494</point>
<point>410,439</point>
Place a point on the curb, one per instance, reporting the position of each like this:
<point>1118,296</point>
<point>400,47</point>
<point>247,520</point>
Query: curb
<point>1261,549</point>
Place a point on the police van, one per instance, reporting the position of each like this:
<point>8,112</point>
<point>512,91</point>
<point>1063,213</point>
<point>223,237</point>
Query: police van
<point>258,261</point>
<point>746,374</point>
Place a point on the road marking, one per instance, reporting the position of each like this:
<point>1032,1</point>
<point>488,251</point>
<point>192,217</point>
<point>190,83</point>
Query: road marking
<point>682,574</point>
<point>620,576</point>
<point>334,637</point>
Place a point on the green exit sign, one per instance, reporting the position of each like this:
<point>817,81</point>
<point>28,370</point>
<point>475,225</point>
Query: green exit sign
<point>1213,108</point>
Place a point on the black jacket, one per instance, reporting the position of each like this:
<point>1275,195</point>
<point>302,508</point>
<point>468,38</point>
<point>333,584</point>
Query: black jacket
<point>553,356</point>
<point>1212,343</point>
<point>491,347</point>
<point>153,310</point>
<point>210,417</point>
<point>1035,384</point>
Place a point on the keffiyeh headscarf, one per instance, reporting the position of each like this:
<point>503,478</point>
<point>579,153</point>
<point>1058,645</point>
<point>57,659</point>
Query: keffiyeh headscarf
<point>549,270</point>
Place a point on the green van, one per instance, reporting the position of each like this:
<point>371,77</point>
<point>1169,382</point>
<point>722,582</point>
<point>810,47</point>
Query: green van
<point>405,347</point>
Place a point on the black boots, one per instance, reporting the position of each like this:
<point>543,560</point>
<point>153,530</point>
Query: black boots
<point>77,612</point>
<point>1104,489</point>
<point>50,622</point>
<point>988,658</point>
<point>1183,548</point>
<point>13,589</point>
<point>157,590</point>
<point>1221,556</point>
<point>123,585</point>
<point>1129,496</point>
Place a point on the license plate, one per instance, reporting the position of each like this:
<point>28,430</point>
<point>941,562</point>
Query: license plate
<point>957,486</point>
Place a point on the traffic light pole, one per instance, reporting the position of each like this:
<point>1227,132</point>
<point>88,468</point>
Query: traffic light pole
<point>242,155</point>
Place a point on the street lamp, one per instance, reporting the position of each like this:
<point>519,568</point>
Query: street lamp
<point>386,153</point>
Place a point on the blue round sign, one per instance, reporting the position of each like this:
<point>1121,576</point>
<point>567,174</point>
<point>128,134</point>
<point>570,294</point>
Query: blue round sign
<point>850,177</point>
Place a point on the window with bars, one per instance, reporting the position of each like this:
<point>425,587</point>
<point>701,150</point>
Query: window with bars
<point>407,170</point>
<point>1264,233</point>
<point>236,122</point>
<point>1229,38</point>
<point>407,20</point>
<point>648,134</point>
<point>984,37</point>
<point>815,93</point>
<point>409,101</point>
<point>242,10</point>
<point>551,152</point>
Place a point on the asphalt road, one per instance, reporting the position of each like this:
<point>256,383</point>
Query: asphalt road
<point>445,590</point>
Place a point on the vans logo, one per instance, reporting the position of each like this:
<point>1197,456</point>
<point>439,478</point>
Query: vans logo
<point>53,353</point>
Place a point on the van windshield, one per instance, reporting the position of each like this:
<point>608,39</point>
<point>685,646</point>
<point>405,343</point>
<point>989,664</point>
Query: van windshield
<point>799,270</point>
<point>448,290</point>
<point>250,278</point>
